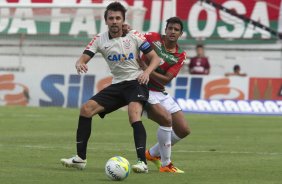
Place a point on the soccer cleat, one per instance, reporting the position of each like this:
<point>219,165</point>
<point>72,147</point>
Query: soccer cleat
<point>140,167</point>
<point>155,160</point>
<point>170,168</point>
<point>75,162</point>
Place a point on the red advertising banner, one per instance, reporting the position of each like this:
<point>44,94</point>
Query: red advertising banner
<point>200,19</point>
<point>183,7</point>
<point>265,89</point>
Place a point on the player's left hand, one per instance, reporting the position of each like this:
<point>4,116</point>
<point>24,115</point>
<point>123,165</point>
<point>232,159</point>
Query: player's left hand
<point>143,78</point>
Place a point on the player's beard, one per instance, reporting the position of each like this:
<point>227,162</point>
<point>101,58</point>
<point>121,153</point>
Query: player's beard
<point>114,29</point>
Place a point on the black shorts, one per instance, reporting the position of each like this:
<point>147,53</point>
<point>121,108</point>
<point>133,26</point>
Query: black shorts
<point>121,94</point>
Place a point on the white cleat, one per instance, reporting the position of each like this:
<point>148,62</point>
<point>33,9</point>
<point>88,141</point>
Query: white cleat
<point>140,167</point>
<point>75,162</point>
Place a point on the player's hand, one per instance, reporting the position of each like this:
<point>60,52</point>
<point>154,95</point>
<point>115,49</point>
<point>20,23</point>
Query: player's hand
<point>81,68</point>
<point>125,28</point>
<point>143,78</point>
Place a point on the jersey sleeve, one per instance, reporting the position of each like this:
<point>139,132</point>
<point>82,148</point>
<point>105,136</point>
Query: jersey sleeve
<point>151,36</point>
<point>174,70</point>
<point>141,41</point>
<point>92,48</point>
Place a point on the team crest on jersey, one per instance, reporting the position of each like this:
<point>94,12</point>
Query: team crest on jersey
<point>126,43</point>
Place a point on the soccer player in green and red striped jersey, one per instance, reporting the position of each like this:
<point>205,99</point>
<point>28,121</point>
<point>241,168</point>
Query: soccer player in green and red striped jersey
<point>172,60</point>
<point>173,57</point>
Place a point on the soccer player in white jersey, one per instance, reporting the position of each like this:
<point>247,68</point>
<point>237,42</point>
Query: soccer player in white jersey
<point>128,87</point>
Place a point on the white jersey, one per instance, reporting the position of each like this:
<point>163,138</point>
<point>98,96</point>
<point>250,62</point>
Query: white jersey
<point>120,53</point>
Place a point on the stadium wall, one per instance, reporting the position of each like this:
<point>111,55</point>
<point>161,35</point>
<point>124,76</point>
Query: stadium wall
<point>37,58</point>
<point>59,85</point>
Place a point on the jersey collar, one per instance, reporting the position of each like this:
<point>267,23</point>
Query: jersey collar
<point>110,37</point>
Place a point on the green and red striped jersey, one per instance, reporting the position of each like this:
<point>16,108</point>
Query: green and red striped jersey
<point>172,62</point>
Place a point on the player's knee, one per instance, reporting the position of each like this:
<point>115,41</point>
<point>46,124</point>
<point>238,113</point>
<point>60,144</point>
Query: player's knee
<point>183,132</point>
<point>86,111</point>
<point>134,113</point>
<point>166,120</point>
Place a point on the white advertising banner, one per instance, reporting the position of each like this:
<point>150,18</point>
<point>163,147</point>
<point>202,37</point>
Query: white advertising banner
<point>59,85</point>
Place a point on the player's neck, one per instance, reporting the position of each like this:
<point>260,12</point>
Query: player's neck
<point>115,35</point>
<point>170,46</point>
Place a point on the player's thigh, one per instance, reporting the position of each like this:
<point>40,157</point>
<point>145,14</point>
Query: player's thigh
<point>135,95</point>
<point>169,104</point>
<point>91,108</point>
<point>159,114</point>
<point>180,125</point>
<point>135,92</point>
<point>110,99</point>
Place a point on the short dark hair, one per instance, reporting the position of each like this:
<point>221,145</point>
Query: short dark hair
<point>236,67</point>
<point>200,46</point>
<point>115,6</point>
<point>174,20</point>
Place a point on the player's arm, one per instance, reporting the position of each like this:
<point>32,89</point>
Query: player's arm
<point>148,51</point>
<point>80,64</point>
<point>89,52</point>
<point>162,79</point>
<point>154,63</point>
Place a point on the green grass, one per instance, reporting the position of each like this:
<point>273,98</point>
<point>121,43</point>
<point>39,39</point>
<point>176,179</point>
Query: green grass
<point>220,150</point>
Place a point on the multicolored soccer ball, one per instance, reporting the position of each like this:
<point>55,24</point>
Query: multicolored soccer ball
<point>117,168</point>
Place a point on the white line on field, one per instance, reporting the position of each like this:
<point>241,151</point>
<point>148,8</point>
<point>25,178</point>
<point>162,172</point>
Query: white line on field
<point>110,148</point>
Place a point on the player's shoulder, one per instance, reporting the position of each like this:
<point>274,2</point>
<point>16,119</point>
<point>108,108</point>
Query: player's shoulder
<point>136,34</point>
<point>180,49</point>
<point>102,35</point>
<point>97,38</point>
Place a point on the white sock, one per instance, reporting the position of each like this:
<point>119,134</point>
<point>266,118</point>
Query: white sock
<point>164,139</point>
<point>155,152</point>
<point>174,138</point>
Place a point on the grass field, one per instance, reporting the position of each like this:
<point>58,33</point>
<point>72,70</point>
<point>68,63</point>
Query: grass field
<point>221,149</point>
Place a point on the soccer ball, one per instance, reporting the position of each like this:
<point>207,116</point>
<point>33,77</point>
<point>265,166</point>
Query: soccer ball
<point>117,168</point>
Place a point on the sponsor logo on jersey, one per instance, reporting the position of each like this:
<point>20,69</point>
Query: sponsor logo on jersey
<point>120,57</point>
